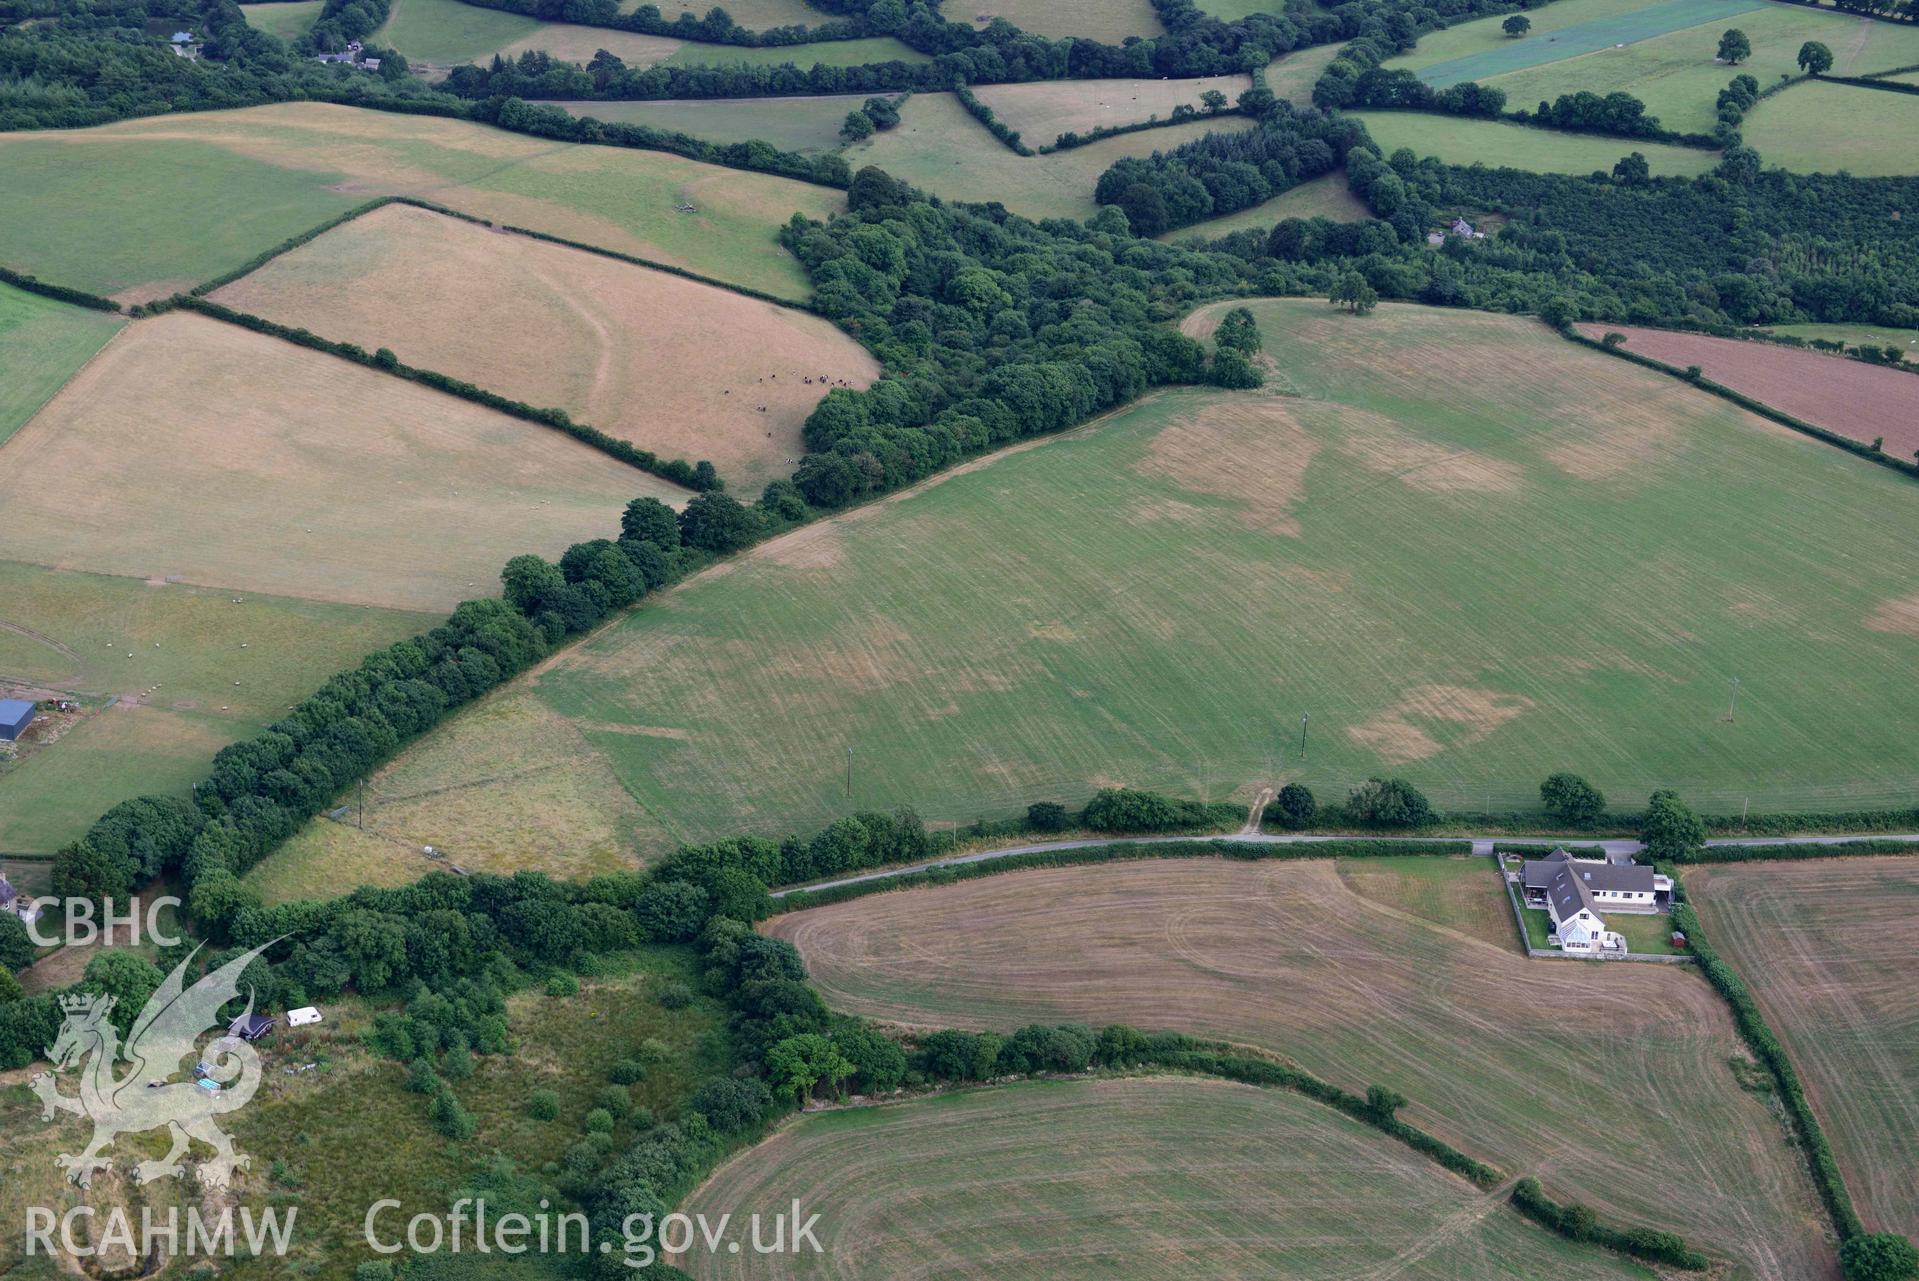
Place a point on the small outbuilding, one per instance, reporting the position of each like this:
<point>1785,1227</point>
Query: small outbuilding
<point>305,1016</point>
<point>251,1027</point>
<point>15,715</point>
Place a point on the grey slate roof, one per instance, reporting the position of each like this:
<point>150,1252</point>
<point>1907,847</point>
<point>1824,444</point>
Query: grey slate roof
<point>1568,893</point>
<point>1541,873</point>
<point>7,893</point>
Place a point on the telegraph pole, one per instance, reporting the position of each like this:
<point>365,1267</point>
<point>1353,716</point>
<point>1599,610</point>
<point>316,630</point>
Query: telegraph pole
<point>1303,718</point>
<point>1732,707</point>
<point>363,805</point>
<point>849,773</point>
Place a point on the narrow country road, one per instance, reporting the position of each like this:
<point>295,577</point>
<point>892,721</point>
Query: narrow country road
<point>1481,845</point>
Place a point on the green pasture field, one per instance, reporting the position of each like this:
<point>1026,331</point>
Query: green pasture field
<point>1828,128</point>
<point>125,217</point>
<point>940,148</point>
<point>1463,893</point>
<point>1283,956</point>
<point>831,53</point>
<point>321,1139</point>
<point>1110,21</point>
<point>120,209</point>
<point>1327,196</point>
<point>42,342</point>
<point>1495,143</point>
<point>1826,945</point>
<point>1480,50</point>
<point>288,19</point>
<point>1673,71</point>
<point>443,32</point>
<point>216,671</point>
<point>1292,76</point>
<point>807,125</point>
<point>1855,335</point>
<point>1233,10</point>
<point>1515,522</point>
<point>1129,1179</point>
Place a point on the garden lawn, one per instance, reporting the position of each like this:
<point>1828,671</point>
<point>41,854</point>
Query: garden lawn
<point>1495,143</point>
<point>1126,1179</point>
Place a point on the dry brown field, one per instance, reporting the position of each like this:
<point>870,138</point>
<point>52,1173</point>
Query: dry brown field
<point>1611,1083</point>
<point>571,42</point>
<point>197,450</point>
<point>1827,946</point>
<point>1045,109</point>
<point>684,369</point>
<point>1124,1180</point>
<point>1845,396</point>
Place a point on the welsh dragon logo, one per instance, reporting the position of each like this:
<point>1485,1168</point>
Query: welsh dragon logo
<point>146,1097</point>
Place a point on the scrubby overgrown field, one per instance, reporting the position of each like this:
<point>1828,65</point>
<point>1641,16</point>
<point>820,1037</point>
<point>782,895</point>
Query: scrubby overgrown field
<point>277,171</point>
<point>1827,946</point>
<point>684,369</point>
<point>1130,1179</point>
<point>1628,1106</point>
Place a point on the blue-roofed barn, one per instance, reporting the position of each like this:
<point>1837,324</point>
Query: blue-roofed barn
<point>15,715</point>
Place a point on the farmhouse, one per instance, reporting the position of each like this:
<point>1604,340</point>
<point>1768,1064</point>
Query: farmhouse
<point>15,715</point>
<point>12,900</point>
<point>1612,887</point>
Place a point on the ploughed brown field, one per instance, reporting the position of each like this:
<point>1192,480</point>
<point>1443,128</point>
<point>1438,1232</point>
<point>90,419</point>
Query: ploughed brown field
<point>1827,946</point>
<point>1842,395</point>
<point>1610,1082</point>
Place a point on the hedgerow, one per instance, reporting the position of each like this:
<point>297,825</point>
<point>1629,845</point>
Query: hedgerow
<point>1578,1223</point>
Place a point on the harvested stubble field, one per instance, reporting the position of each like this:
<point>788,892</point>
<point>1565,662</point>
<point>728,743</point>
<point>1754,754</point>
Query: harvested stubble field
<point>266,467</point>
<point>940,148</point>
<point>1110,21</point>
<point>1459,141</point>
<point>1136,1179</point>
<point>808,125</point>
<point>191,670</point>
<point>1668,60</point>
<point>1845,396</point>
<point>1513,522</point>
<point>1043,110</point>
<point>42,344</point>
<point>1814,128</point>
<point>1631,1106</point>
<point>681,368</point>
<point>1827,946</point>
<point>120,209</point>
<point>1327,196</point>
<point>572,42</point>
